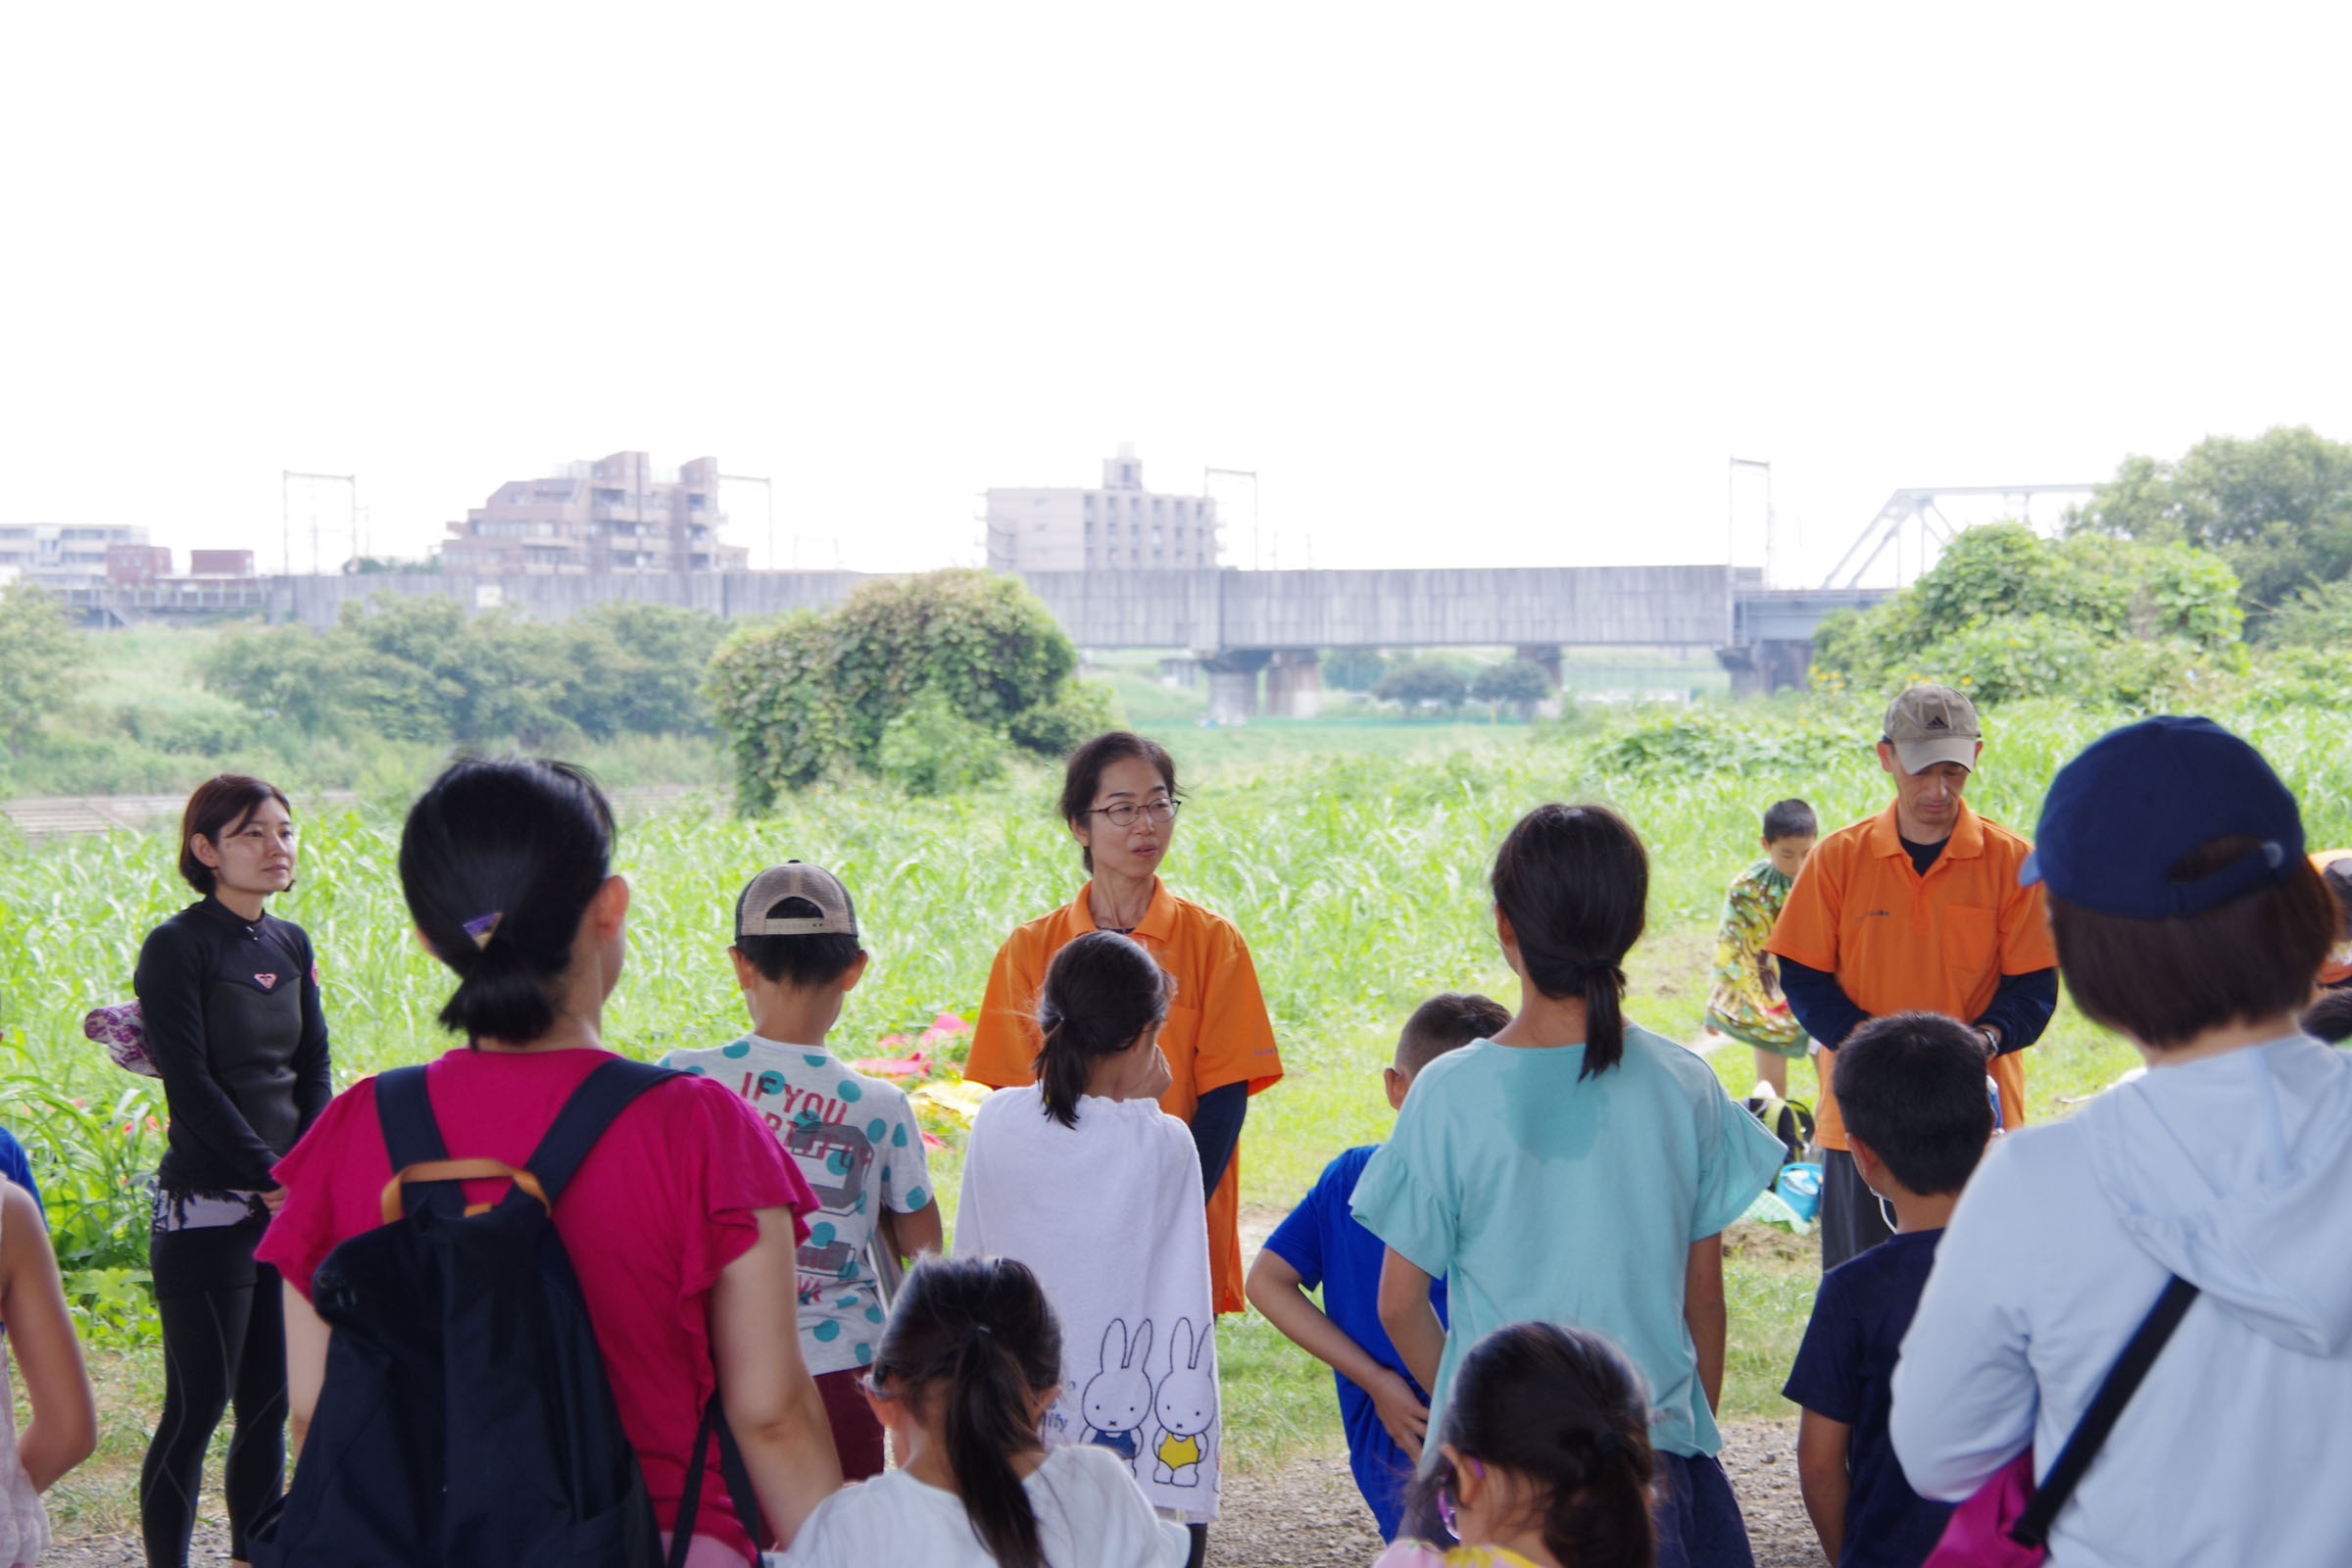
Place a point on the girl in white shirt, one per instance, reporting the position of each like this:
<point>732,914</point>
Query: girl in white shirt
<point>968,1365</point>
<point>1084,1178</point>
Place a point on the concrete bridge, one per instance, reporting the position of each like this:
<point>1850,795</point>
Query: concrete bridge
<point>1240,625</point>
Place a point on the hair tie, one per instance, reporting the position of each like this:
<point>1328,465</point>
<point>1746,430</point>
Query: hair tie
<point>482,927</point>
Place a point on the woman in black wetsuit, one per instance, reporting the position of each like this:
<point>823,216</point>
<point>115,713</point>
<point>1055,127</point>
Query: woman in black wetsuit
<point>230,995</point>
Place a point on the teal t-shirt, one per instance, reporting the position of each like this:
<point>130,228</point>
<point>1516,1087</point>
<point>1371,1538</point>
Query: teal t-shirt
<point>1537,1196</point>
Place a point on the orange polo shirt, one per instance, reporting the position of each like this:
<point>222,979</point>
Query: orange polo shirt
<point>1217,1031</point>
<point>1899,942</point>
<point>2338,967</point>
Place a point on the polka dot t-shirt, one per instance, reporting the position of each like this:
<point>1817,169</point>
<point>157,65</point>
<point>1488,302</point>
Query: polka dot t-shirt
<point>855,1140</point>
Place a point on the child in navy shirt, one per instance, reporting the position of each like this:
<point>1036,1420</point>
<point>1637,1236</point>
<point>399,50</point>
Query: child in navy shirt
<point>1912,1087</point>
<point>1385,1411</point>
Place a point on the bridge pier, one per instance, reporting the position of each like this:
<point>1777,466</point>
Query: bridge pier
<point>1770,665</point>
<point>1295,684</point>
<point>1233,683</point>
<point>1544,657</point>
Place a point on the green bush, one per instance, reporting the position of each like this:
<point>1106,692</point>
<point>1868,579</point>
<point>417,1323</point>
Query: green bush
<point>2006,614</point>
<point>1514,681</point>
<point>1695,743</point>
<point>811,696</point>
<point>1422,683</point>
<point>420,669</point>
<point>930,749</point>
<point>2319,616</point>
<point>40,658</point>
<point>1079,710</point>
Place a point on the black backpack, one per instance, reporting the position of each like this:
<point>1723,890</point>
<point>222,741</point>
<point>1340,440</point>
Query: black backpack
<point>466,1421</point>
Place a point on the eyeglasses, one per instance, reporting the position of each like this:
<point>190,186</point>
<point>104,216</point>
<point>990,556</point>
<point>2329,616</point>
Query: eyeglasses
<point>1162,812</point>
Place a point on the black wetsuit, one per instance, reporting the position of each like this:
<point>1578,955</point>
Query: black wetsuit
<point>233,1020</point>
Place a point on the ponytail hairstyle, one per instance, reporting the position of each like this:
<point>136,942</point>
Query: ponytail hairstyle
<point>1560,1408</point>
<point>498,860</point>
<point>1100,992</point>
<point>1574,882</point>
<point>977,1336</point>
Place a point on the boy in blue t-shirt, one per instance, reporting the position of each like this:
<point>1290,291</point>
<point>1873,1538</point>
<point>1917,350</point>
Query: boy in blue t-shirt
<point>1385,1411</point>
<point>853,1137</point>
<point>1912,1087</point>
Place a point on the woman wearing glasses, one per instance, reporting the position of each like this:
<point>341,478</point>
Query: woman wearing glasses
<point>1119,799</point>
<point>229,996</point>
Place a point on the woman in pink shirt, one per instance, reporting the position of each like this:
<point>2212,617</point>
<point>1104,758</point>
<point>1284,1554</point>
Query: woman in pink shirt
<point>682,1222</point>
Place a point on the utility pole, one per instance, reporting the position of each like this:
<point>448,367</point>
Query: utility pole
<point>770,486</point>
<point>1257,528</point>
<point>286,500</point>
<point>1730,541</point>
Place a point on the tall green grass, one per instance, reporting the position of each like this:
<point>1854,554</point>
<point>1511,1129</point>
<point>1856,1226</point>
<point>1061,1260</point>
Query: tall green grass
<point>1356,874</point>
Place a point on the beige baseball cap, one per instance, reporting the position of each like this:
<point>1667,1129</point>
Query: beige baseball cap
<point>1931,724</point>
<point>794,879</point>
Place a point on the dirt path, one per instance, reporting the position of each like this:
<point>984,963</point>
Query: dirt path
<point>1306,1514</point>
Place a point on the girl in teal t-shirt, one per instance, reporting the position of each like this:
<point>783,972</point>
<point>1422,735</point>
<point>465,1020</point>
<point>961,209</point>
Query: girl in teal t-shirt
<point>1576,1169</point>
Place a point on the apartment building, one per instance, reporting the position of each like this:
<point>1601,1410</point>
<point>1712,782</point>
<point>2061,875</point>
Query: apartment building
<point>617,513</point>
<point>1116,526</point>
<point>58,555</point>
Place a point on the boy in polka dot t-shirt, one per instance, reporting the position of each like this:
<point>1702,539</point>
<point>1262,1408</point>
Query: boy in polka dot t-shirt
<point>854,1137</point>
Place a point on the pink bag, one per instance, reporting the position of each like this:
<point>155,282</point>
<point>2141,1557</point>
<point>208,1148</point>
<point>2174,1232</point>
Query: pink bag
<point>2006,1522</point>
<point>1978,1532</point>
<point>121,1029</point>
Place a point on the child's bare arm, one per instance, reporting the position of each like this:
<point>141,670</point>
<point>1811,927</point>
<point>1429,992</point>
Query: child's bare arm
<point>1412,1323</point>
<point>40,1330</point>
<point>1820,1475</point>
<point>917,1233</point>
<point>1276,1290</point>
<point>1703,1309</point>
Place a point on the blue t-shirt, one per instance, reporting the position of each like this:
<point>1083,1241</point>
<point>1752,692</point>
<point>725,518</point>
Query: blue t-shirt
<point>1846,1371</point>
<point>1541,1195</point>
<point>1327,1245</point>
<point>18,1169</point>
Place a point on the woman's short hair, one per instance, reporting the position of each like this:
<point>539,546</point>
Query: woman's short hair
<point>2165,981</point>
<point>1082,776</point>
<point>220,803</point>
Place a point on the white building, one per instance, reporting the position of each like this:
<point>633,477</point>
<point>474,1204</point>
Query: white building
<point>1119,528</point>
<point>61,555</point>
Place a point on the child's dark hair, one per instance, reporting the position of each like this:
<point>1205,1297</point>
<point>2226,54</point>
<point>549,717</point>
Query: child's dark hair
<point>1574,882</point>
<point>1911,1086</point>
<point>1446,1023</point>
<point>1100,992</point>
<point>498,860</point>
<point>220,803</point>
<point>1561,1407</point>
<point>801,962</point>
<point>1082,775</point>
<point>978,1335</point>
<point>2331,1018</point>
<point>1791,818</point>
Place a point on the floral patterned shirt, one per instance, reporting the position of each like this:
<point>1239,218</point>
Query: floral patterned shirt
<point>1746,1000</point>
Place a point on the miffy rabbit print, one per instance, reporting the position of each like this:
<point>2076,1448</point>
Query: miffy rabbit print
<point>1186,1405</point>
<point>1118,1399</point>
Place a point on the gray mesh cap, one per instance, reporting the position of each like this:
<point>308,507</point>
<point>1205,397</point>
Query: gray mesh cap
<point>1931,724</point>
<point>835,915</point>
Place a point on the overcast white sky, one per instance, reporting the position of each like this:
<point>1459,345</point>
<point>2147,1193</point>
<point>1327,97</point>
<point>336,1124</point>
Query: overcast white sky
<point>1467,285</point>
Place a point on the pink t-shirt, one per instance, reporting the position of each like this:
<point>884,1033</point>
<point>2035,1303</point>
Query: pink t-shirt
<point>659,1207</point>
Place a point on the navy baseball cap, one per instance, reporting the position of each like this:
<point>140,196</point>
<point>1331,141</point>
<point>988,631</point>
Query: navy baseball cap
<point>2137,800</point>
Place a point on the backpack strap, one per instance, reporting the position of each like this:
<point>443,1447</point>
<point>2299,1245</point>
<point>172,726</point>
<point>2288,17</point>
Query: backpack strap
<point>412,1137</point>
<point>2033,1526</point>
<point>738,1479</point>
<point>602,1096</point>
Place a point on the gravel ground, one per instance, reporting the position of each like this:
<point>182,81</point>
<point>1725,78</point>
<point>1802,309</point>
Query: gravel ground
<point>1306,1514</point>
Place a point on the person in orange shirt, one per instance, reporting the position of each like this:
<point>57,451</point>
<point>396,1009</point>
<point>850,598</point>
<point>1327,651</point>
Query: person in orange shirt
<point>1916,909</point>
<point>2335,870</point>
<point>1119,799</point>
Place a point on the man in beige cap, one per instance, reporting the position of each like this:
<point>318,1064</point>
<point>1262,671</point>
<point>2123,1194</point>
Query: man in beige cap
<point>1917,909</point>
